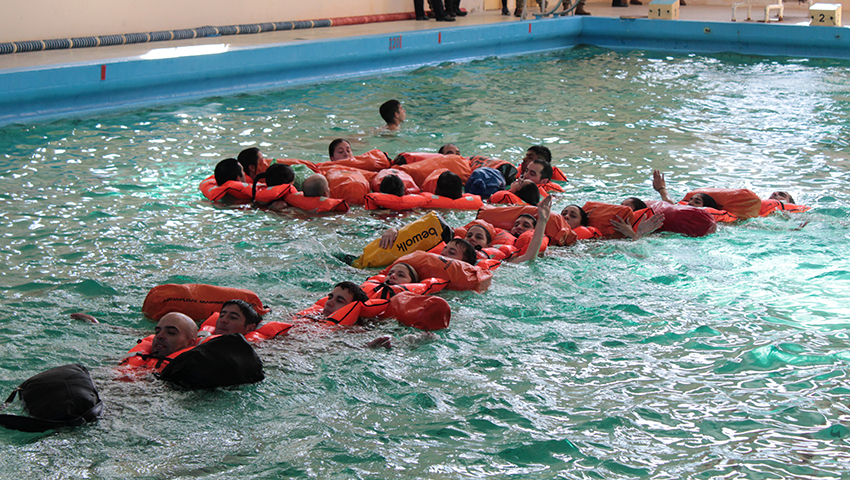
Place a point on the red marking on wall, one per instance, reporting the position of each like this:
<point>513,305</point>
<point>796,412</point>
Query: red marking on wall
<point>103,72</point>
<point>395,43</point>
<point>439,37</point>
<point>529,28</point>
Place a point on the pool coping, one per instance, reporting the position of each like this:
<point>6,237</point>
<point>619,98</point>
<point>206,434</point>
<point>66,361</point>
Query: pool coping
<point>189,73</point>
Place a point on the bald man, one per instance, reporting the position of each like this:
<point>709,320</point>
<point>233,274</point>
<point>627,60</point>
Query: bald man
<point>174,332</point>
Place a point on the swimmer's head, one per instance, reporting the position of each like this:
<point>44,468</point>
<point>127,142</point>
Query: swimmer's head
<point>236,316</point>
<point>227,170</point>
<point>783,197</point>
<point>449,149</point>
<point>534,152</point>
<point>703,200</point>
<point>523,223</point>
<point>449,185</point>
<point>174,332</point>
<point>316,186</point>
<point>340,149</point>
<point>575,216</point>
<point>634,203</point>
<point>538,171</point>
<point>278,174</point>
<point>249,159</point>
<point>393,112</point>
<point>460,249</point>
<point>343,294</point>
<point>392,185</point>
<point>527,191</point>
<point>479,237</point>
<point>401,273</point>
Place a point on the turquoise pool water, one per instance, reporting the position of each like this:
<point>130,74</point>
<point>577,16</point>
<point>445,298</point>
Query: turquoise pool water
<point>670,357</point>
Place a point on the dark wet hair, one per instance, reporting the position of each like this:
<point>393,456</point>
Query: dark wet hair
<point>357,293</point>
<point>334,144</point>
<point>388,110</point>
<point>546,168</point>
<point>449,185</point>
<point>248,158</point>
<point>638,203</point>
<point>392,185</point>
<point>529,193</point>
<point>227,170</point>
<point>276,174</point>
<point>584,219</point>
<point>251,315</point>
<point>708,201</point>
<point>790,198</point>
<point>469,253</point>
<point>442,150</point>
<point>541,152</point>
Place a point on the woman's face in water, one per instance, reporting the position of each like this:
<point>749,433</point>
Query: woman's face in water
<point>781,196</point>
<point>453,250</point>
<point>398,275</point>
<point>696,201</point>
<point>477,236</point>
<point>573,216</point>
<point>342,151</point>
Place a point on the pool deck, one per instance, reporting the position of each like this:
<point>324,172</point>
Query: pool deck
<point>795,13</point>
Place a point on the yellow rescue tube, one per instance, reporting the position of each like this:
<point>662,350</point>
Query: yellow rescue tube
<point>422,234</point>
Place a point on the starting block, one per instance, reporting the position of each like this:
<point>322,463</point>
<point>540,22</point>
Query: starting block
<point>825,14</point>
<point>664,10</point>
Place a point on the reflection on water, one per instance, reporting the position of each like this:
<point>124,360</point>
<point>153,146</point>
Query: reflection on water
<point>670,357</point>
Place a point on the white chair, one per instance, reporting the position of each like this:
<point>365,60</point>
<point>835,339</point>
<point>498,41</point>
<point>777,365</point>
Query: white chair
<point>775,5</point>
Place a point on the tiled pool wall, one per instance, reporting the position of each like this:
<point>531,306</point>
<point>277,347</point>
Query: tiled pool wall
<point>169,75</point>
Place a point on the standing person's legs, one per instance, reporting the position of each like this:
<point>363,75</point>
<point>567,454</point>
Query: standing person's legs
<point>419,8</point>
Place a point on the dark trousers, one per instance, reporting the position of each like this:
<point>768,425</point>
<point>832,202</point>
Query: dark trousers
<point>437,6</point>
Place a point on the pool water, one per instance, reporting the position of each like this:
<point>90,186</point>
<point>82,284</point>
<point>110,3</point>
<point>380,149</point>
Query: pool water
<point>669,357</point>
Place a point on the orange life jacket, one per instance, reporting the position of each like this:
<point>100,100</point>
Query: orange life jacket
<point>267,195</point>
<point>265,331</point>
<point>461,275</point>
<point>376,288</point>
<point>316,204</point>
<point>375,201</point>
<point>740,203</point>
<point>557,229</point>
<point>236,189</point>
<point>690,221</point>
<point>420,170</point>
<point>197,300</point>
<point>465,202</point>
<point>140,356</point>
<point>770,206</point>
<point>410,186</point>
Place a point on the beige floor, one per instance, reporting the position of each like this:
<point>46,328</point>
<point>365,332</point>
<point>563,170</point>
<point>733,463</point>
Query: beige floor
<point>795,13</point>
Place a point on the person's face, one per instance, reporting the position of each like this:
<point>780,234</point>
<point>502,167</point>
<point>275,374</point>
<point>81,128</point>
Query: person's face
<point>529,157</point>
<point>231,320</point>
<point>629,203</point>
<point>573,216</point>
<point>401,115</point>
<point>241,176</point>
<point>338,298</point>
<point>521,226</point>
<point>398,275</point>
<point>342,151</point>
<point>453,250</point>
<point>533,172</point>
<point>170,335</point>
<point>781,196</point>
<point>451,149</point>
<point>477,236</point>
<point>696,201</point>
<point>518,184</point>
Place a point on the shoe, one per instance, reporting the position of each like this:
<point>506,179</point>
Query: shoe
<point>446,19</point>
<point>682,3</point>
<point>581,11</point>
<point>422,17</point>
<point>459,12</point>
<point>505,11</point>
<point>620,3</point>
<point>518,12</point>
<point>635,2</point>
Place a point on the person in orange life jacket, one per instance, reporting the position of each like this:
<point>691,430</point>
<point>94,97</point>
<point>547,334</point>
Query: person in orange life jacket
<point>249,159</point>
<point>276,175</point>
<point>449,185</point>
<point>783,197</point>
<point>449,149</point>
<point>401,273</point>
<point>393,113</point>
<point>392,185</point>
<point>237,316</point>
<point>340,149</point>
<point>174,332</point>
<point>316,186</point>
<point>697,200</point>
<point>575,216</point>
<point>536,152</point>
<point>227,170</point>
<point>480,238</point>
<point>538,171</point>
<point>526,190</point>
<point>343,294</point>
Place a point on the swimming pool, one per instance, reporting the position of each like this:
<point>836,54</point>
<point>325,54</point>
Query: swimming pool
<point>669,357</point>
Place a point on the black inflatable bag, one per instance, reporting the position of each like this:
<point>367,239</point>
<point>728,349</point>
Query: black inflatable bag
<point>60,397</point>
<point>219,362</point>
